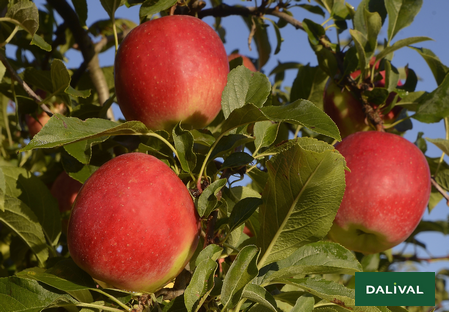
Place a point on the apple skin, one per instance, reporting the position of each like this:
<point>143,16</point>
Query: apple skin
<point>346,111</point>
<point>387,191</point>
<point>65,189</point>
<point>35,125</point>
<point>133,225</point>
<point>171,69</point>
<point>246,61</point>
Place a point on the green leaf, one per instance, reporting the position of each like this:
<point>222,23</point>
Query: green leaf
<point>241,272</point>
<point>398,45</point>
<point>314,31</point>
<point>200,285</point>
<point>21,220</point>
<point>228,143</point>
<point>265,133</point>
<point>110,6</point>
<point>401,14</point>
<point>244,86</point>
<point>314,258</point>
<point>360,41</point>
<point>60,79</point>
<point>260,295</point>
<point>210,252</point>
<point>65,276</point>
<point>330,291</point>
<point>441,144</point>
<point>304,303</point>
<point>435,105</point>
<point>19,294</point>
<point>26,14</point>
<point>438,69</point>
<point>260,38</point>
<point>61,130</point>
<point>278,35</point>
<point>81,10</point>
<point>309,85</point>
<point>184,142</point>
<point>151,7</point>
<point>208,199</point>
<point>236,160</point>
<point>300,112</point>
<point>2,190</point>
<point>242,211</point>
<point>41,43</point>
<point>35,195</point>
<point>291,216</point>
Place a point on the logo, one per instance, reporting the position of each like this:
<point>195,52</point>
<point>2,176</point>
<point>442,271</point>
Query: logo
<point>394,289</point>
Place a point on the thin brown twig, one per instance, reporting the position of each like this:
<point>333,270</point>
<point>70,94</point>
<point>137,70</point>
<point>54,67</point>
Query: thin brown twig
<point>440,189</point>
<point>25,86</point>
<point>224,10</point>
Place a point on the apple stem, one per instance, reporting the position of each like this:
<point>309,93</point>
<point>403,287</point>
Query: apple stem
<point>154,299</point>
<point>112,298</point>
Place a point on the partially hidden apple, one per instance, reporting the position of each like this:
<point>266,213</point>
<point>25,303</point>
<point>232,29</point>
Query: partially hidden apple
<point>387,191</point>
<point>65,189</point>
<point>171,69</point>
<point>346,110</point>
<point>35,123</point>
<point>246,61</point>
<point>133,224</point>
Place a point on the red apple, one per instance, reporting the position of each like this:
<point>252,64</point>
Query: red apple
<point>171,69</point>
<point>65,189</point>
<point>387,191</point>
<point>133,224</point>
<point>35,124</point>
<point>246,61</point>
<point>347,112</point>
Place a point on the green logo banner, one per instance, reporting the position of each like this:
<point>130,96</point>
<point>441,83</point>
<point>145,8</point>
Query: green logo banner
<point>394,289</point>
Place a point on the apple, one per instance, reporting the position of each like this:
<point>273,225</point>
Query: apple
<point>133,224</point>
<point>246,61</point>
<point>35,124</point>
<point>171,69</point>
<point>65,189</point>
<point>387,191</point>
<point>347,112</point>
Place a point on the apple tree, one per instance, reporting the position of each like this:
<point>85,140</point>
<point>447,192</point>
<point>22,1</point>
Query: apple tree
<point>264,176</point>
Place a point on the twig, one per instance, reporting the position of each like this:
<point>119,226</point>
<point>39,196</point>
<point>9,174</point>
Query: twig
<point>24,85</point>
<point>224,10</point>
<point>440,189</point>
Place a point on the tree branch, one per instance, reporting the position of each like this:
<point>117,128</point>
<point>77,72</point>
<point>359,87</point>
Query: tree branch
<point>224,10</point>
<point>24,85</point>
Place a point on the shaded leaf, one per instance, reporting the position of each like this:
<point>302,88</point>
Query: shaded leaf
<point>242,211</point>
<point>110,6</point>
<point>26,13</point>
<point>151,7</point>
<point>208,199</point>
<point>241,272</point>
<point>35,195</point>
<point>19,294</point>
<point>21,220</point>
<point>184,142</point>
